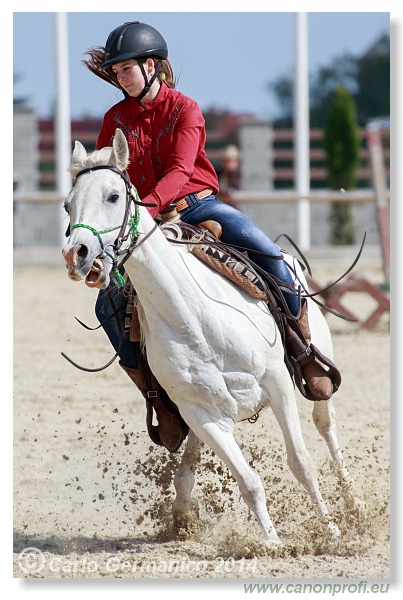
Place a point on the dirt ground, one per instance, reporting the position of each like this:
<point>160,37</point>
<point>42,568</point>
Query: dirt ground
<point>92,494</point>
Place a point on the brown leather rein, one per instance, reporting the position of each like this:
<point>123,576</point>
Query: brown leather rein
<point>279,287</point>
<point>127,228</point>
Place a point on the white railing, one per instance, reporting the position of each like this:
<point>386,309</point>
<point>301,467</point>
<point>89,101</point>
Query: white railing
<point>366,195</point>
<point>360,196</point>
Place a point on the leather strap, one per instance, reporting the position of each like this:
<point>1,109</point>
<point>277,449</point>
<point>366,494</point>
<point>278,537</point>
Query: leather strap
<point>332,372</point>
<point>181,204</point>
<point>156,396</point>
<point>299,353</point>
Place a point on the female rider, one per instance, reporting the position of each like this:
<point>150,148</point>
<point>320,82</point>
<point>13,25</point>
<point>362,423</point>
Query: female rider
<point>166,135</point>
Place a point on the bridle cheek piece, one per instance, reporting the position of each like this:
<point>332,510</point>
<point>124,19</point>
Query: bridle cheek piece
<point>129,226</point>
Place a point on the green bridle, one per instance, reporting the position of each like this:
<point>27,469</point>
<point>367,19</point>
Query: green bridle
<point>129,226</point>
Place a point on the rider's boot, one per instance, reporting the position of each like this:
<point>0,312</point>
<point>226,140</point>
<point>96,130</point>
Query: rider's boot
<point>316,377</point>
<point>171,429</point>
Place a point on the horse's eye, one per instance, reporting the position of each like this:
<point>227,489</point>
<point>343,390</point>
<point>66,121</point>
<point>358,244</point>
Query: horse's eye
<point>113,198</point>
<point>66,207</point>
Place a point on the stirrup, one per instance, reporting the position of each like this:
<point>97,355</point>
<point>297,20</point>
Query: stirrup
<point>313,354</point>
<point>158,399</point>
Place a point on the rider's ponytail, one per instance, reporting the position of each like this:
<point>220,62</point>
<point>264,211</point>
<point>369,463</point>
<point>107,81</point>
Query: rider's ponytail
<point>166,73</point>
<point>97,57</point>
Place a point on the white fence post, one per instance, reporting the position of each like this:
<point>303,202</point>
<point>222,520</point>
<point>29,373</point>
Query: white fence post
<point>301,130</point>
<point>62,117</point>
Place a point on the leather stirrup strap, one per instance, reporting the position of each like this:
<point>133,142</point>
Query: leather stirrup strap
<point>152,392</point>
<point>157,397</point>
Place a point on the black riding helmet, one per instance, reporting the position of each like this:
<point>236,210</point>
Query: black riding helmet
<point>139,41</point>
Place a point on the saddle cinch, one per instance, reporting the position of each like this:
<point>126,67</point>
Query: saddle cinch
<point>235,265</point>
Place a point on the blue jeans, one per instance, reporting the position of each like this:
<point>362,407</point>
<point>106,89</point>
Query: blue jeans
<point>237,229</point>
<point>126,349</point>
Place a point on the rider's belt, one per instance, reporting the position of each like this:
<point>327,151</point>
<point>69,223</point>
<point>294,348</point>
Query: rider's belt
<point>187,201</point>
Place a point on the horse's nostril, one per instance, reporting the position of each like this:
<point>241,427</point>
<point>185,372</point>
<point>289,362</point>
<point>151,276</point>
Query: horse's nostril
<point>82,251</point>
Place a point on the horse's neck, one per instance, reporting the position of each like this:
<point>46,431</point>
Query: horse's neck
<point>159,273</point>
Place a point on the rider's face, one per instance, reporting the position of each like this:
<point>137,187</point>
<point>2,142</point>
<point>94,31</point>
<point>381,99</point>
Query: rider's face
<point>129,76</point>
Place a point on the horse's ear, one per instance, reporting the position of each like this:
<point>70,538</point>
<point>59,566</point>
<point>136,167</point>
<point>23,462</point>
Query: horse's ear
<point>79,152</point>
<point>77,158</point>
<point>120,150</point>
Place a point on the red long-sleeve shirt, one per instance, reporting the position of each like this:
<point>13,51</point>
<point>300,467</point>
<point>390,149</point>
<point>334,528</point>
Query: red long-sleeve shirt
<point>166,143</point>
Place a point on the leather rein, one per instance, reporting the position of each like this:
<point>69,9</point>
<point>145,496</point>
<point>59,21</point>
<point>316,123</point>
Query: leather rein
<point>129,226</point>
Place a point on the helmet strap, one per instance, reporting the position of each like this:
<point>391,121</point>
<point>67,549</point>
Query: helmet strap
<point>148,82</point>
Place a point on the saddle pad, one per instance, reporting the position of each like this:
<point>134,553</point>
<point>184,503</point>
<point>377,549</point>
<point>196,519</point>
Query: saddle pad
<point>232,269</point>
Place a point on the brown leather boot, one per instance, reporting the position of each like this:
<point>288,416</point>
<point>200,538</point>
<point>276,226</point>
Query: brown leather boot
<point>316,377</point>
<point>171,429</point>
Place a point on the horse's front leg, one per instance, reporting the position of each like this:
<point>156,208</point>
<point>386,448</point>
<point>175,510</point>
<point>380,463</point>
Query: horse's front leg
<point>185,508</point>
<point>218,435</point>
<point>282,402</point>
<point>324,418</point>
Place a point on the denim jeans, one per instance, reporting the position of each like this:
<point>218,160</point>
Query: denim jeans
<point>237,229</point>
<point>105,315</point>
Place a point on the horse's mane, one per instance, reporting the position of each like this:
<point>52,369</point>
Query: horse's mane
<point>95,158</point>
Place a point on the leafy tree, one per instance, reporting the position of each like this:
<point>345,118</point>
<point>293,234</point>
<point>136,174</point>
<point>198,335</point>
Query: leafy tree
<point>373,87</point>
<point>282,88</point>
<point>367,79</point>
<point>342,142</point>
<point>342,71</point>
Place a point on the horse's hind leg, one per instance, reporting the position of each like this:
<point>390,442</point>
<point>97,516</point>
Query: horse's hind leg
<point>324,418</point>
<point>221,440</point>
<point>185,508</point>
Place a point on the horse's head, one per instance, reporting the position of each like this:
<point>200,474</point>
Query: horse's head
<point>96,206</point>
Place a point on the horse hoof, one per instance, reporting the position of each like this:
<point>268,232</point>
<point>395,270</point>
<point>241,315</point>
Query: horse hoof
<point>357,506</point>
<point>334,530</point>
<point>273,540</point>
<point>187,522</point>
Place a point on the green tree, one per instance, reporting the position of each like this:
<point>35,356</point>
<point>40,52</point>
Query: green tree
<point>342,142</point>
<point>373,87</point>
<point>342,71</point>
<point>367,78</point>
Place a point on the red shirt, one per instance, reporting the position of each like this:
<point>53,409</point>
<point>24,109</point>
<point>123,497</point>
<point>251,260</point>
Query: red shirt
<point>166,145</point>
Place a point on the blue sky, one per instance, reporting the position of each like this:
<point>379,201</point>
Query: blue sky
<point>224,59</point>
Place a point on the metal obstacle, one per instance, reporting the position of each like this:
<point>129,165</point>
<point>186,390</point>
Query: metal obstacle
<point>333,296</point>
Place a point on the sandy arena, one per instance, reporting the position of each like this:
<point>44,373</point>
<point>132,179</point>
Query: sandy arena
<point>94,495</point>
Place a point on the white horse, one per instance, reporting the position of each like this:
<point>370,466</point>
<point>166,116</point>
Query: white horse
<point>214,349</point>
